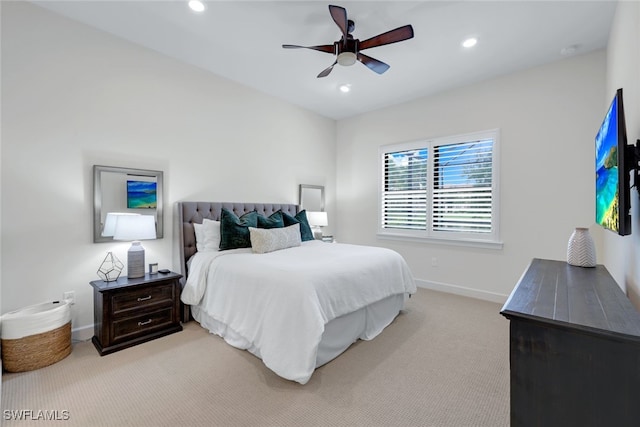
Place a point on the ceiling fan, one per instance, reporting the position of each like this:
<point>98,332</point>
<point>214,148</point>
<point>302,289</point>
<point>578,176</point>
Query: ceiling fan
<point>348,50</point>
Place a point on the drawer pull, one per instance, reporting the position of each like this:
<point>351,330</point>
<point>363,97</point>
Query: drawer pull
<point>146,322</point>
<point>147,298</point>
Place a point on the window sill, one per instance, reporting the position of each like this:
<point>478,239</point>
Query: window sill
<point>484,244</point>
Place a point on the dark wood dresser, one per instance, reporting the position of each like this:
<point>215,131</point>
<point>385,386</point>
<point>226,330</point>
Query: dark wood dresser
<point>131,311</point>
<point>574,348</point>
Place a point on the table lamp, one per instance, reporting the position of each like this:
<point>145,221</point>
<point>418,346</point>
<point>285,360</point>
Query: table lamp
<point>317,220</point>
<point>134,228</point>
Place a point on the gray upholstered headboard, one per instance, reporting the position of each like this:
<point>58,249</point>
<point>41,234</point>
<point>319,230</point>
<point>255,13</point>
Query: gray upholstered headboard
<point>190,212</point>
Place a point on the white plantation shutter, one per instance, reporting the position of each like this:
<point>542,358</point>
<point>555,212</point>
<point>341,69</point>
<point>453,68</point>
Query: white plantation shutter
<point>404,196</point>
<point>462,187</point>
<point>441,189</point>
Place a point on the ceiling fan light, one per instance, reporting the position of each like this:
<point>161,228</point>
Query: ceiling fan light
<point>347,58</point>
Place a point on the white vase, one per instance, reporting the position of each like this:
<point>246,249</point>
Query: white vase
<point>581,251</point>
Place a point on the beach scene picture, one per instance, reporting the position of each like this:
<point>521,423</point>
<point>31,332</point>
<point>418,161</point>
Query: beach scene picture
<point>141,195</point>
<point>607,197</point>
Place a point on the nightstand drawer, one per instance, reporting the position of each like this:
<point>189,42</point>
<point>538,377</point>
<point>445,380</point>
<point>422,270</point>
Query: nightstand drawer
<point>135,299</point>
<point>142,324</point>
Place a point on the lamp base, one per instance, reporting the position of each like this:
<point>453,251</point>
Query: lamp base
<point>317,232</point>
<point>135,261</point>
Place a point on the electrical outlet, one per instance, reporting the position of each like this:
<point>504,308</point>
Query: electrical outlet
<point>434,262</point>
<point>70,297</point>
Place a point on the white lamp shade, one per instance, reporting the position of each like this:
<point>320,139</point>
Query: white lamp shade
<point>110,223</point>
<point>317,219</point>
<point>135,227</point>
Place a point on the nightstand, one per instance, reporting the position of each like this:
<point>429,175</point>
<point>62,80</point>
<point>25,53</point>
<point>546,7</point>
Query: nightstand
<point>128,312</point>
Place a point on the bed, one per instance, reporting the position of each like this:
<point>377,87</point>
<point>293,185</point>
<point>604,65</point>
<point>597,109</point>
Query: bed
<point>296,307</point>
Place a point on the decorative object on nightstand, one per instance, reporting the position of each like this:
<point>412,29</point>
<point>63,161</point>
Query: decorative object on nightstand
<point>153,268</point>
<point>316,221</point>
<point>135,228</point>
<point>110,268</point>
<point>328,239</point>
<point>581,250</point>
<point>129,311</point>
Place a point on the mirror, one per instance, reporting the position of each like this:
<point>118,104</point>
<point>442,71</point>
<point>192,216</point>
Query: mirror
<point>125,190</point>
<point>312,198</point>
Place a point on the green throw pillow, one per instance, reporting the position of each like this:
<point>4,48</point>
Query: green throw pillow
<point>301,218</point>
<point>274,221</point>
<point>234,231</point>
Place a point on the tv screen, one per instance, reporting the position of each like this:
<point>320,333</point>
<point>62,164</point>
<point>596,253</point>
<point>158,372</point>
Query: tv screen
<point>141,195</point>
<point>613,199</point>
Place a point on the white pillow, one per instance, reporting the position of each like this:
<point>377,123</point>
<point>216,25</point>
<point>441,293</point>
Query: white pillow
<point>265,240</point>
<point>207,235</point>
<point>199,230</point>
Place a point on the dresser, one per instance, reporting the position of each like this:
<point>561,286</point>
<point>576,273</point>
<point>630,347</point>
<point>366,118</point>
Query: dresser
<point>574,348</point>
<point>127,311</point>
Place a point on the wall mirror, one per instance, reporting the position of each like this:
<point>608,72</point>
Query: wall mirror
<point>125,190</point>
<point>312,198</point>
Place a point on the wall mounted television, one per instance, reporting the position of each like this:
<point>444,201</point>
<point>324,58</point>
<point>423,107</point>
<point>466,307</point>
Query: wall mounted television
<point>614,162</point>
<point>142,195</point>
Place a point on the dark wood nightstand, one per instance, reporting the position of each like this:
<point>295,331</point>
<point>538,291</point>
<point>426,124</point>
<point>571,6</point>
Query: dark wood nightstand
<point>128,312</point>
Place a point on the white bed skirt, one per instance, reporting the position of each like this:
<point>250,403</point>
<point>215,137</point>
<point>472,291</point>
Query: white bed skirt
<point>365,324</point>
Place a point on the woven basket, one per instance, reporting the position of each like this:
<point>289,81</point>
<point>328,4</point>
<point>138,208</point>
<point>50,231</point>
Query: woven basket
<point>36,351</point>
<point>36,336</point>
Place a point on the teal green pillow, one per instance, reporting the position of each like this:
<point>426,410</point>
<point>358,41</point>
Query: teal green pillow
<point>234,231</point>
<point>301,218</point>
<point>274,221</point>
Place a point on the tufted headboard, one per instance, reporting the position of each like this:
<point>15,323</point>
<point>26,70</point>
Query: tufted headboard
<point>190,212</point>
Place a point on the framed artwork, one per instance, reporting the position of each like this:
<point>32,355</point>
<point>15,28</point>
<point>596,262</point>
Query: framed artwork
<point>142,195</point>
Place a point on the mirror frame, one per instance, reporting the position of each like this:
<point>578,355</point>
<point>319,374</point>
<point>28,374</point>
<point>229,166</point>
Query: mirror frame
<point>97,198</point>
<point>311,187</point>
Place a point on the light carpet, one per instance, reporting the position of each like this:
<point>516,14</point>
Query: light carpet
<point>444,361</point>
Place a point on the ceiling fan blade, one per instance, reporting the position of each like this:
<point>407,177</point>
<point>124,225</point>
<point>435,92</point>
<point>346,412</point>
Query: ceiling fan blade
<point>329,48</point>
<point>339,15</point>
<point>372,63</point>
<point>393,36</point>
<point>327,70</point>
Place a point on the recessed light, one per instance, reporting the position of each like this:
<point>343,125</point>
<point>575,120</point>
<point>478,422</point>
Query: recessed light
<point>345,88</point>
<point>470,42</point>
<point>196,5</point>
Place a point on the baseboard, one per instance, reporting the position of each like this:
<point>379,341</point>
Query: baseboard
<point>461,290</point>
<point>82,334</point>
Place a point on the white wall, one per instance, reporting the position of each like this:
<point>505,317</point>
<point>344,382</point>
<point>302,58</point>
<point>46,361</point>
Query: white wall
<point>73,97</point>
<point>622,254</point>
<point>548,117</point>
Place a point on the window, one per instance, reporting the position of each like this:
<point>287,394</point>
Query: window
<point>443,189</point>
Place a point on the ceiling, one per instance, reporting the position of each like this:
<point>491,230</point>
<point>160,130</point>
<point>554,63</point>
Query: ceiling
<point>242,41</point>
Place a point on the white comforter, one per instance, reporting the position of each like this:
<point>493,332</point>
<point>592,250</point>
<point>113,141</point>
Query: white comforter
<point>280,301</point>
